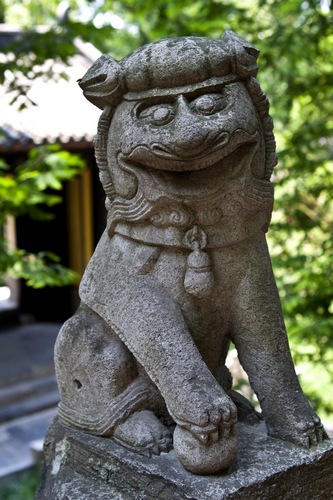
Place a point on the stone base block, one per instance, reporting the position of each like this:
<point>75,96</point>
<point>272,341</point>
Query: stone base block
<point>80,466</point>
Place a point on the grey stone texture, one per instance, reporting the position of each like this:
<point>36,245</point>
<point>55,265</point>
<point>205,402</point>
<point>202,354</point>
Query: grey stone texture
<point>79,466</point>
<point>185,148</point>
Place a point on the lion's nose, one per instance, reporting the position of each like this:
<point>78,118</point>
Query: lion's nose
<point>191,137</point>
<point>190,132</point>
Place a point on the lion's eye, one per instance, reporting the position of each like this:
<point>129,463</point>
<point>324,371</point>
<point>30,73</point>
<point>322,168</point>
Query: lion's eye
<point>208,104</point>
<point>158,114</point>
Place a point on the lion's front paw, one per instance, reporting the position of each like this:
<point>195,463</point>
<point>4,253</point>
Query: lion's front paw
<point>304,429</point>
<point>221,418</point>
<point>309,432</point>
<point>208,413</point>
<point>205,438</point>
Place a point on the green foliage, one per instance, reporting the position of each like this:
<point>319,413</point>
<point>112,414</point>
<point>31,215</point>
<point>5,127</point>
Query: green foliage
<point>29,190</point>
<point>24,487</point>
<point>302,254</point>
<point>300,37</point>
<point>38,270</point>
<point>26,189</point>
<point>296,71</point>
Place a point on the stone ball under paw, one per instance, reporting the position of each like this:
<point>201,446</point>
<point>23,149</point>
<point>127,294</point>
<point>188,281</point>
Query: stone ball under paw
<point>201,458</point>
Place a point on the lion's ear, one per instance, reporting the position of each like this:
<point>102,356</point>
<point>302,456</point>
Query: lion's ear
<point>245,54</point>
<point>103,83</point>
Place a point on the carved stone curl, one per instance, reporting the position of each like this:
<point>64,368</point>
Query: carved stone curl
<point>185,149</point>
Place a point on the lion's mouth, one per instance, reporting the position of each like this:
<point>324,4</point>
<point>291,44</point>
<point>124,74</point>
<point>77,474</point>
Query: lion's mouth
<point>171,158</point>
<point>206,181</point>
<point>173,153</point>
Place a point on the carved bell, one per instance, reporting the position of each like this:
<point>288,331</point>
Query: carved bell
<point>199,279</point>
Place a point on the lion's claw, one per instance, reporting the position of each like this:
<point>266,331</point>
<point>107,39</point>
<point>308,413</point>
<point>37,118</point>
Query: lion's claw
<point>211,424</point>
<point>305,433</point>
<point>203,438</point>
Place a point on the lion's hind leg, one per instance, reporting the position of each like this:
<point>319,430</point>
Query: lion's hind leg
<point>103,391</point>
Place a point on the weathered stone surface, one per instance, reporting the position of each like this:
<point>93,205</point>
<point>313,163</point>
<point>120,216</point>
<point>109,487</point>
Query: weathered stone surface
<point>79,466</point>
<point>185,148</point>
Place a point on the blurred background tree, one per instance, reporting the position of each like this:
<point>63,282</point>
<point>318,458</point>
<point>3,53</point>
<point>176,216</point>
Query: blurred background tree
<point>296,72</point>
<point>32,188</point>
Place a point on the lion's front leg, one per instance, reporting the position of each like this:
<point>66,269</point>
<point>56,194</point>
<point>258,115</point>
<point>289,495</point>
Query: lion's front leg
<point>150,322</point>
<point>259,334</point>
<point>155,331</point>
<point>205,436</point>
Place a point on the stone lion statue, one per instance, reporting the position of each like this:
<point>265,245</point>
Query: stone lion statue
<point>185,149</point>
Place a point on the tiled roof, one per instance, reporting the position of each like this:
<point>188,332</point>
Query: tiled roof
<point>60,113</point>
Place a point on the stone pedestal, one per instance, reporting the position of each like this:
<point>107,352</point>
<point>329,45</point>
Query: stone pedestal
<point>80,466</point>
